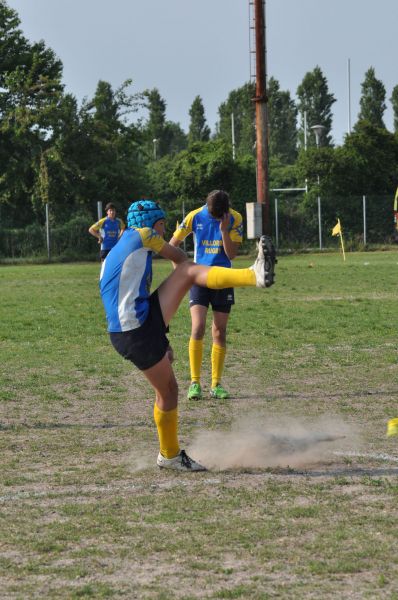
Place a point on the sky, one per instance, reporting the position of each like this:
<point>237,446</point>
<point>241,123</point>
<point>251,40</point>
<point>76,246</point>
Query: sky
<point>187,48</point>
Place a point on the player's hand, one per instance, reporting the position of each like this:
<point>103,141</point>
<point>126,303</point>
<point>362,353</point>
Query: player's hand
<point>224,222</point>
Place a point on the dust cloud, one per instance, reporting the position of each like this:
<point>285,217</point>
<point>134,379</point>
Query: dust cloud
<point>273,442</point>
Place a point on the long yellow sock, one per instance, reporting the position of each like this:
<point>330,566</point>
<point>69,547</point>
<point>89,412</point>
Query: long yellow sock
<point>217,364</point>
<point>221,277</point>
<point>195,358</point>
<point>167,425</point>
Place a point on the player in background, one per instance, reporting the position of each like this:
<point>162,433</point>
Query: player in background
<point>107,230</point>
<point>138,320</point>
<point>217,232</point>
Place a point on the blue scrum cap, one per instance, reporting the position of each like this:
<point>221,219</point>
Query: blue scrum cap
<point>144,213</point>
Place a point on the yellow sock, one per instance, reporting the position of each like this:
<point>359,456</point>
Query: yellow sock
<point>195,358</point>
<point>217,364</point>
<point>167,425</point>
<point>221,277</point>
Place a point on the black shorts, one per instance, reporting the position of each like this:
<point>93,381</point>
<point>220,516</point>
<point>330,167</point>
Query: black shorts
<point>220,300</point>
<point>146,345</point>
<point>104,253</point>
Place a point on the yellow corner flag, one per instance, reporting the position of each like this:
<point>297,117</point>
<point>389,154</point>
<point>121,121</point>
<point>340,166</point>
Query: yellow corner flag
<point>337,228</point>
<point>338,231</point>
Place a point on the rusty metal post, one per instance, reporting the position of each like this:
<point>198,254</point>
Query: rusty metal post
<point>261,114</point>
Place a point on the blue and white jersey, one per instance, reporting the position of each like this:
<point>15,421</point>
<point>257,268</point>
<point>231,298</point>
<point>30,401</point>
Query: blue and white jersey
<point>207,237</point>
<point>126,277</point>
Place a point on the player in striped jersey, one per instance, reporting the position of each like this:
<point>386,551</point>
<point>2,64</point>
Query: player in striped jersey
<point>138,319</point>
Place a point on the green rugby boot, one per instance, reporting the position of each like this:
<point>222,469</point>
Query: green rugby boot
<point>219,392</point>
<point>195,391</point>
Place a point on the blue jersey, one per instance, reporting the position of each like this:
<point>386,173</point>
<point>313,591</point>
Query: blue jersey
<point>207,236</point>
<point>126,278</point>
<point>110,230</point>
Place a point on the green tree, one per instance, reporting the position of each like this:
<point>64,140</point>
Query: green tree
<point>240,104</point>
<point>372,103</point>
<point>14,46</point>
<point>109,159</point>
<point>394,102</point>
<point>30,78</point>
<point>161,137</point>
<point>282,117</point>
<point>365,164</point>
<point>316,101</point>
<point>198,130</point>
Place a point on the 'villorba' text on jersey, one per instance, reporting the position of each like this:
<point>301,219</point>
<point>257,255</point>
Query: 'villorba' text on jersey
<point>126,278</point>
<point>208,245</point>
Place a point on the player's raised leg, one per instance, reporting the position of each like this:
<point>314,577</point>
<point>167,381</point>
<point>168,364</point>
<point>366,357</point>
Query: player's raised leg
<point>174,288</point>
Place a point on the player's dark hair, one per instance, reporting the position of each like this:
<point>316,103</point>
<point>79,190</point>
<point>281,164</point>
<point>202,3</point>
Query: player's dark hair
<point>217,203</point>
<point>109,206</point>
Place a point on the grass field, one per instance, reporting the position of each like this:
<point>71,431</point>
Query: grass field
<point>84,511</point>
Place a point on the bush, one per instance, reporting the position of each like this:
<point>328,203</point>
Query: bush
<point>70,240</point>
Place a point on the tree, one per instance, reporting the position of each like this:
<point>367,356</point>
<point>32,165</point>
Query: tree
<point>315,99</point>
<point>161,136</point>
<point>198,130</point>
<point>394,102</point>
<point>109,162</point>
<point>30,78</point>
<point>201,168</point>
<point>375,151</point>
<point>372,102</point>
<point>240,104</point>
<point>365,164</point>
<point>282,116</point>
<point>14,47</point>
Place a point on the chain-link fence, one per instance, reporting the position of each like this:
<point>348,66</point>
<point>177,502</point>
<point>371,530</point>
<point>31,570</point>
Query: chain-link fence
<point>70,241</point>
<point>297,222</point>
<point>300,222</point>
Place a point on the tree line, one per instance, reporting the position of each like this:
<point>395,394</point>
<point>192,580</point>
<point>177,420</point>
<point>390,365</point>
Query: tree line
<point>54,150</point>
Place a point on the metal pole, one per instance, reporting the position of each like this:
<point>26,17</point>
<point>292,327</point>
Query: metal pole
<point>276,224</point>
<point>261,113</point>
<point>99,209</point>
<point>233,135</point>
<point>319,223</point>
<point>349,94</point>
<point>305,130</point>
<point>364,219</point>
<point>48,232</point>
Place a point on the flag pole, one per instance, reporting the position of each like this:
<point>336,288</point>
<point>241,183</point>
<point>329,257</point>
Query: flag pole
<point>337,230</point>
<point>342,244</point>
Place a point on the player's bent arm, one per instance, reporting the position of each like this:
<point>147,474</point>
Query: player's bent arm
<point>122,228</point>
<point>174,241</point>
<point>230,247</point>
<point>94,232</point>
<point>176,255</point>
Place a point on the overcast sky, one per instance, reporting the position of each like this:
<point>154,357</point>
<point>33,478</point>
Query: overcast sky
<point>187,48</point>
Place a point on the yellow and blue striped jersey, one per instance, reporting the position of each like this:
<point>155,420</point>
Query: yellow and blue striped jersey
<point>110,230</point>
<point>208,246</point>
